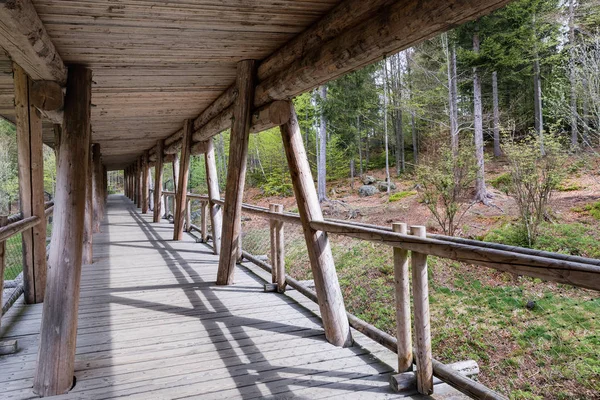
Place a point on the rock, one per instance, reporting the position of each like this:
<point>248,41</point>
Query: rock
<point>367,190</point>
<point>530,305</point>
<point>368,179</point>
<point>382,186</point>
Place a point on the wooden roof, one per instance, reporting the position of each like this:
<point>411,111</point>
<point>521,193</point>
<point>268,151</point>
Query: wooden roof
<point>156,63</point>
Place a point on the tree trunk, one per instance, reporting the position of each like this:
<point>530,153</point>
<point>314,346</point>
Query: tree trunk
<point>322,164</point>
<point>572,81</point>
<point>452,96</point>
<point>413,125</point>
<point>537,99</point>
<point>385,124</point>
<point>360,158</point>
<point>480,190</point>
<point>496,119</point>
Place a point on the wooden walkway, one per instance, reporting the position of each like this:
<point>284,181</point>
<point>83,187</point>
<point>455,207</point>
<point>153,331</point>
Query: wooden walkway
<point>152,325</point>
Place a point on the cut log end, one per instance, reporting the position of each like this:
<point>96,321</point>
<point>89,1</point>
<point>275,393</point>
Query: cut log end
<point>8,347</point>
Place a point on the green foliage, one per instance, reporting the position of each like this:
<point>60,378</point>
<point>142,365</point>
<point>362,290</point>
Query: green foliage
<point>445,181</point>
<point>593,210</point>
<point>401,195</point>
<point>534,178</point>
<point>575,239</point>
<point>501,182</point>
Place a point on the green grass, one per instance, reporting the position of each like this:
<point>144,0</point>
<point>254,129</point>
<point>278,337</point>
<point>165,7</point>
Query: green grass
<point>501,182</point>
<point>401,195</point>
<point>575,239</point>
<point>592,209</point>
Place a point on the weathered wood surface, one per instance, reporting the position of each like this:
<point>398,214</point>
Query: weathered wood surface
<point>236,172</point>
<point>145,188</point>
<point>158,181</point>
<point>181,202</point>
<point>55,365</point>
<point>402,289</point>
<point>212,182</point>
<point>97,187</point>
<point>88,221</point>
<point>24,37</point>
<point>152,324</point>
<point>30,159</point>
<point>331,301</point>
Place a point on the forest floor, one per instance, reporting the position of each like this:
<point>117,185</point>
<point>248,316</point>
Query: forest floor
<point>532,339</point>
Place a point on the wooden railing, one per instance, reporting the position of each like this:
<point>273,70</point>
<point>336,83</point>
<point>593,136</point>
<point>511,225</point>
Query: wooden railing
<point>577,271</point>
<point>9,227</point>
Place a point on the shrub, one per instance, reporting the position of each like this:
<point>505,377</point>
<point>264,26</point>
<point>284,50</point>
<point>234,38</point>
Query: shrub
<point>593,210</point>
<point>534,177</point>
<point>501,182</point>
<point>446,181</point>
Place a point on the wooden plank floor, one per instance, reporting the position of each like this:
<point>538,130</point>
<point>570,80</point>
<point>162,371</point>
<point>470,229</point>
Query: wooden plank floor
<point>152,325</point>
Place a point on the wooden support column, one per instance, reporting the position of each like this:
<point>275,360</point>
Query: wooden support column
<point>88,223</point>
<point>98,187</point>
<point>145,192</point>
<point>158,181</point>
<point>204,221</point>
<point>31,186</point>
<point>139,175</point>
<point>56,358</point>
<point>277,249</point>
<point>402,287</point>
<point>181,203</point>
<point>212,182</point>
<point>423,356</point>
<point>236,172</point>
<point>175,164</point>
<point>329,294</point>
<point>3,222</point>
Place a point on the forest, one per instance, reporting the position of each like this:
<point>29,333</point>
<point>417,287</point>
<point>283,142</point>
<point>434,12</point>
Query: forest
<point>489,131</point>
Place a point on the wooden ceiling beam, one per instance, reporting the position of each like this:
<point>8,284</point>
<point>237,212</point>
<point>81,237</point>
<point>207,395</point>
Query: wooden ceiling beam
<point>24,38</point>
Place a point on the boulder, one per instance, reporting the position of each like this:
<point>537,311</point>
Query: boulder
<point>367,190</point>
<point>368,179</point>
<point>382,186</point>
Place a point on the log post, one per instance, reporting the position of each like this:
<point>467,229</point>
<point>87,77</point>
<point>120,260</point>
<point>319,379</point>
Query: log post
<point>181,192</point>
<point>88,223</point>
<point>56,358</point>
<point>166,198</point>
<point>329,294</point>
<point>175,163</point>
<point>236,172</point>
<point>98,184</point>
<point>212,182</point>
<point>139,178</point>
<point>31,186</point>
<point>188,215</point>
<point>204,221</point>
<point>402,288</point>
<point>3,222</point>
<point>273,240</point>
<point>158,181</point>
<point>125,182</point>
<point>145,193</point>
<point>423,355</point>
<point>279,251</point>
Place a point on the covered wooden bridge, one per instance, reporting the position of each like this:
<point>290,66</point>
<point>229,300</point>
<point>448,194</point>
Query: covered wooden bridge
<point>133,84</point>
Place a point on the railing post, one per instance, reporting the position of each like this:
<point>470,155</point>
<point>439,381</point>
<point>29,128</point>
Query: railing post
<point>279,251</point>
<point>402,287</point>
<point>188,216</point>
<point>422,328</point>
<point>3,221</point>
<point>273,241</point>
<point>158,181</point>
<point>180,202</point>
<point>204,221</point>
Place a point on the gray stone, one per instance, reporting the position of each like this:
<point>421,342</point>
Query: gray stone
<point>367,190</point>
<point>368,179</point>
<point>382,186</point>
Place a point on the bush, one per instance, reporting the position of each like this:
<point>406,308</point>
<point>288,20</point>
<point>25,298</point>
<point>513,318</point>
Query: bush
<point>400,195</point>
<point>446,181</point>
<point>501,182</point>
<point>534,178</point>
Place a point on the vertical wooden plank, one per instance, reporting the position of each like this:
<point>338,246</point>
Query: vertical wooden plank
<point>88,222</point>
<point>184,169</point>
<point>3,222</point>
<point>273,241</point>
<point>31,187</point>
<point>329,294</point>
<point>280,250</point>
<point>204,221</point>
<point>402,288</point>
<point>158,181</point>
<point>422,328</point>
<point>56,358</point>
<point>145,193</point>
<point>212,182</point>
<point>236,172</point>
<point>97,187</point>
<point>139,177</point>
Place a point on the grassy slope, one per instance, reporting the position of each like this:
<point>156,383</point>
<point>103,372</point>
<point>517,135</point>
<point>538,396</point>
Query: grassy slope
<point>532,339</point>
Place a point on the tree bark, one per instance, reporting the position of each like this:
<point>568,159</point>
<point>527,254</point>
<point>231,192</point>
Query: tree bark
<point>480,189</point>
<point>56,358</point>
<point>322,155</point>
<point>496,118</point>
<point>572,80</point>
<point>413,125</point>
<point>385,125</point>
<point>452,97</point>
